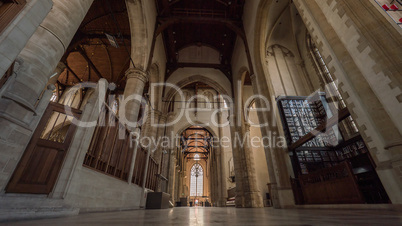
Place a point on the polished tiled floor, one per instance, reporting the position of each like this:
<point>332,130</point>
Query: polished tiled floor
<point>228,217</point>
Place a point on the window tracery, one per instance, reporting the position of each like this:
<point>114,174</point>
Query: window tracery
<point>197,180</point>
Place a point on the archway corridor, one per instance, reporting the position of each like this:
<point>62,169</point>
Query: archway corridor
<point>193,112</point>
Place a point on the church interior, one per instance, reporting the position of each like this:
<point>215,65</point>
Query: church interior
<point>188,112</point>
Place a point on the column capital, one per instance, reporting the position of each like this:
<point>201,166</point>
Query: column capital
<point>137,74</point>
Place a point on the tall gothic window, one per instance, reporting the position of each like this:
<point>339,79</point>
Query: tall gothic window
<point>197,180</point>
<point>348,126</point>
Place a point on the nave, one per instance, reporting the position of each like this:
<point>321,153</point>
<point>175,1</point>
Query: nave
<point>229,216</point>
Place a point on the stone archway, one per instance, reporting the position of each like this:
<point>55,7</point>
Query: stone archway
<point>170,92</point>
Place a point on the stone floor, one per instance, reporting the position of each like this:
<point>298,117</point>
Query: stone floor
<point>228,216</point>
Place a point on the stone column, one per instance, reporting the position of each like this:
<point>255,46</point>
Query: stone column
<point>172,160</point>
<point>238,167</point>
<point>218,176</point>
<point>252,191</point>
<point>18,32</point>
<point>19,112</point>
<point>246,185</point>
<point>278,160</point>
<point>129,110</point>
<point>177,185</point>
<point>171,177</point>
<point>221,164</point>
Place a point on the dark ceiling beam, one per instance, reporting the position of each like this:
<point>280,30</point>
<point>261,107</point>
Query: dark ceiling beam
<point>203,147</point>
<point>199,65</point>
<point>194,152</point>
<point>91,64</point>
<point>80,38</point>
<point>171,47</point>
<point>165,7</point>
<point>234,25</point>
<point>72,72</point>
<point>222,2</point>
<point>110,61</point>
<point>104,15</point>
<point>191,148</point>
<point>122,73</point>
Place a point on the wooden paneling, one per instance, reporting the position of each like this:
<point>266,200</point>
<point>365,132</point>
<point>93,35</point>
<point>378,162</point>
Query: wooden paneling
<point>139,168</point>
<point>152,174</point>
<point>41,162</point>
<point>108,152</point>
<point>334,185</point>
<point>8,10</point>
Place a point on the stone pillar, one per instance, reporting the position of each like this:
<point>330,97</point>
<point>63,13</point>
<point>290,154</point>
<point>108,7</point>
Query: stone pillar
<point>171,177</point>
<point>218,176</point>
<point>177,185</point>
<point>238,167</point>
<point>221,162</point>
<point>18,32</point>
<point>129,110</point>
<point>367,66</point>
<point>278,160</point>
<point>172,159</point>
<point>252,191</point>
<point>19,112</point>
<point>247,194</point>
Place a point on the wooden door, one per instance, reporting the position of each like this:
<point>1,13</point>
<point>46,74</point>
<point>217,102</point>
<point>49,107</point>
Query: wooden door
<point>41,162</point>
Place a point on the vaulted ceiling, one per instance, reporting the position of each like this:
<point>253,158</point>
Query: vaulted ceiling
<point>182,23</point>
<point>196,140</point>
<point>212,23</point>
<point>90,56</point>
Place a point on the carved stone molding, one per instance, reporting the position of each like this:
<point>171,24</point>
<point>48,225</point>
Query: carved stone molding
<point>134,73</point>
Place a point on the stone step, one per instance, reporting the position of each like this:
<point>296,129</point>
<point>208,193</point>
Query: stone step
<point>17,214</point>
<point>24,207</point>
